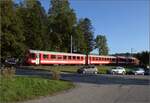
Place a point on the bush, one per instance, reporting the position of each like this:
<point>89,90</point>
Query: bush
<point>8,72</point>
<point>55,74</point>
<point>103,71</point>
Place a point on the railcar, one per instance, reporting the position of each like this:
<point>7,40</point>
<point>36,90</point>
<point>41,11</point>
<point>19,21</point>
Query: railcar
<point>36,57</point>
<point>47,58</point>
<point>122,60</point>
<point>132,61</point>
<point>96,59</point>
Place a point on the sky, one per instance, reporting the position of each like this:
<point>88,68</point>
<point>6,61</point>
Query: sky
<point>125,23</point>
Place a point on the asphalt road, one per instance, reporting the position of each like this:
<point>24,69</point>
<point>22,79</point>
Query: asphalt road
<point>98,89</point>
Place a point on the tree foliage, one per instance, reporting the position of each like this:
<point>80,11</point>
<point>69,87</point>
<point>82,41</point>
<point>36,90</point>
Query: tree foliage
<point>61,23</point>
<point>12,37</point>
<point>34,21</point>
<point>143,57</point>
<point>101,44</point>
<point>26,25</point>
<point>87,30</point>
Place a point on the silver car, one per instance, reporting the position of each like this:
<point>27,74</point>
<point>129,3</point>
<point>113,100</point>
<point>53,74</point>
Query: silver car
<point>139,71</point>
<point>118,70</point>
<point>88,70</point>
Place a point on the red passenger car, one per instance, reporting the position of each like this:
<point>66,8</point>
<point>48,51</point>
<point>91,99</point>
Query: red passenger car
<point>96,59</point>
<point>45,57</point>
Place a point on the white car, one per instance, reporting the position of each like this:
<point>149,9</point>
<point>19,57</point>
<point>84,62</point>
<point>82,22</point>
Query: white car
<point>118,70</point>
<point>139,71</point>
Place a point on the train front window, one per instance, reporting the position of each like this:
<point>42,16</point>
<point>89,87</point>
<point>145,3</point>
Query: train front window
<point>32,55</point>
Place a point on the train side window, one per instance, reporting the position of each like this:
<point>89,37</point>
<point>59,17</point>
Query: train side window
<point>53,56</point>
<point>96,58</point>
<point>113,59</point>
<point>69,57</point>
<point>74,57</point>
<point>99,58</point>
<point>59,57</point>
<point>64,57</point>
<point>93,58</point>
<point>32,55</point>
<point>78,58</point>
<point>103,59</point>
<point>45,56</point>
<point>81,58</point>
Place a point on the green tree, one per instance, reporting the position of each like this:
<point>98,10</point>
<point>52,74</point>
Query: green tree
<point>101,44</point>
<point>87,30</point>
<point>143,57</point>
<point>79,45</point>
<point>34,21</point>
<point>11,34</point>
<point>61,23</point>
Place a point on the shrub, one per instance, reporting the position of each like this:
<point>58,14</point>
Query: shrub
<point>55,74</point>
<point>103,71</point>
<point>8,72</point>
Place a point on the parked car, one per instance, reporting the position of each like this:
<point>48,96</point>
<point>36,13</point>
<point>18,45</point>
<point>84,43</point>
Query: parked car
<point>118,70</point>
<point>11,61</point>
<point>139,71</point>
<point>88,70</point>
<point>147,71</point>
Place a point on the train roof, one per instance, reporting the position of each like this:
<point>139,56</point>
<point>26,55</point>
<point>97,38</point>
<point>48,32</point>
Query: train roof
<point>103,56</point>
<point>129,57</point>
<point>62,53</point>
<point>75,54</point>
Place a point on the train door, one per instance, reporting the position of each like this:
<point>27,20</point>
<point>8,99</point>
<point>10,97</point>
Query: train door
<point>37,59</point>
<point>86,60</point>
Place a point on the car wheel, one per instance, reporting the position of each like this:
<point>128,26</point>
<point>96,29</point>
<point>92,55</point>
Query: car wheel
<point>113,73</point>
<point>123,73</point>
<point>95,72</point>
<point>83,72</point>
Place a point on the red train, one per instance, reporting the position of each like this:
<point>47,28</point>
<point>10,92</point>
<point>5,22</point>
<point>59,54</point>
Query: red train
<point>35,57</point>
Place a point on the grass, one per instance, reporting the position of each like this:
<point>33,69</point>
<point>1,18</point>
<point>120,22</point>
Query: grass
<point>73,69</point>
<point>24,88</point>
<point>103,69</point>
<point>70,69</point>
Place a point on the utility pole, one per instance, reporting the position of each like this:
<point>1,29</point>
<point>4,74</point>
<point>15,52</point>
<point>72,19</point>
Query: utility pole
<point>71,44</point>
<point>131,51</point>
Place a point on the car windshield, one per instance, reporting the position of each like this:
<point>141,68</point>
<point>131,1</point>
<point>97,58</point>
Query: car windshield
<point>119,67</point>
<point>88,67</point>
<point>140,69</point>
